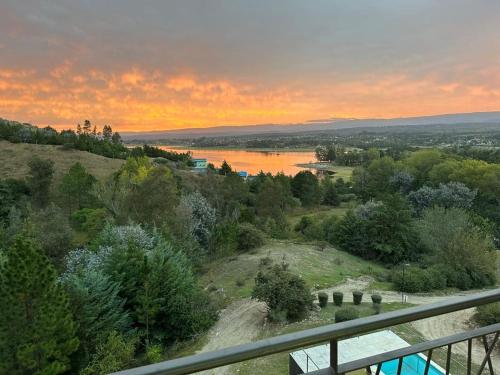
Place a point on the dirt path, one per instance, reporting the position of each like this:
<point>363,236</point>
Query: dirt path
<point>239,323</point>
<point>430,328</point>
<point>242,321</point>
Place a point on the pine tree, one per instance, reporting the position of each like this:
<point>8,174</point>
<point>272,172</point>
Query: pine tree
<point>77,185</point>
<point>107,132</point>
<point>40,179</point>
<point>87,127</point>
<point>37,331</point>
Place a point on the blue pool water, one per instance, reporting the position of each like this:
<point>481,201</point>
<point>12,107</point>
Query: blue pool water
<point>412,365</point>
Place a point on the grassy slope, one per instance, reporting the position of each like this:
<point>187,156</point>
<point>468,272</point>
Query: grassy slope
<point>320,269</point>
<point>14,159</point>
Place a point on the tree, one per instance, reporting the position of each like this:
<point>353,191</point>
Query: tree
<point>98,309</point>
<point>76,186</point>
<point>152,196</point>
<point>156,281</point>
<point>382,231</point>
<point>452,194</point>
<point>284,293</point>
<point>454,241</point>
<point>107,132</point>
<point>225,169</point>
<point>330,196</point>
<point>53,232</point>
<point>37,331</point>
<point>39,179</point>
<point>87,127</point>
<point>116,138</point>
<point>201,217</point>
<point>305,186</point>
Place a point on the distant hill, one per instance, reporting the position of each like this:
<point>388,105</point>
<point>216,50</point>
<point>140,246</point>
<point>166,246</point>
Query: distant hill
<point>318,125</point>
<point>14,159</point>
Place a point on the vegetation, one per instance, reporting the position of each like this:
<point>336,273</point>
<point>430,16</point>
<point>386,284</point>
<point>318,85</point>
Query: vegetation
<point>345,314</point>
<point>125,260</point>
<point>285,294</point>
<point>338,297</point>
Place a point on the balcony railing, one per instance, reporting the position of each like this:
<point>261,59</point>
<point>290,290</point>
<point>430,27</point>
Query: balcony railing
<point>334,332</point>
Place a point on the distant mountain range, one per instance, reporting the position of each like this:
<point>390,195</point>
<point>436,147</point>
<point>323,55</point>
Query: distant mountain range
<point>317,125</point>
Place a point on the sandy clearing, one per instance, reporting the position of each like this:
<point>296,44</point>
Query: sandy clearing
<point>239,323</point>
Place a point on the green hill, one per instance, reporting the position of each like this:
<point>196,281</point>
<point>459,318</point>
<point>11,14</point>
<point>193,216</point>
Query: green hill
<point>14,160</point>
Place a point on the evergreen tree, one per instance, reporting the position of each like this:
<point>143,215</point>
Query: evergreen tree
<point>37,331</point>
<point>116,138</point>
<point>98,309</point>
<point>107,132</point>
<point>40,179</point>
<point>225,168</point>
<point>76,186</point>
<point>305,186</point>
<point>87,127</point>
<point>330,196</point>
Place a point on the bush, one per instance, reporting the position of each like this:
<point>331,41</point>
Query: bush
<point>90,220</point>
<point>323,299</point>
<point>357,297</point>
<point>346,314</point>
<point>488,314</point>
<point>338,297</point>
<point>376,299</point>
<point>418,279</point>
<point>249,237</point>
<point>282,291</point>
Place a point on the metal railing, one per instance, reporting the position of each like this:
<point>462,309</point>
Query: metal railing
<point>333,333</point>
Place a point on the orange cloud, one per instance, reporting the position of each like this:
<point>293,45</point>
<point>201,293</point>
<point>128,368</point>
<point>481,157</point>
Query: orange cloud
<point>138,99</point>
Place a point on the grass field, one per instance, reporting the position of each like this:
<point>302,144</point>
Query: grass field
<point>14,159</point>
<point>320,269</point>
<point>319,213</point>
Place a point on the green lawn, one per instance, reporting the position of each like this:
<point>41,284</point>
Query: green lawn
<point>320,269</point>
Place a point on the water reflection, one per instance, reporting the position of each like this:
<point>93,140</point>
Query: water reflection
<point>254,161</point>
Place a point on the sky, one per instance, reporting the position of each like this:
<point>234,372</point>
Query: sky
<point>157,65</point>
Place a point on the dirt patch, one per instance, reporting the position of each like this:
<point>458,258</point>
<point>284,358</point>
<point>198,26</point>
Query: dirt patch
<point>449,324</point>
<point>239,323</point>
<point>430,328</point>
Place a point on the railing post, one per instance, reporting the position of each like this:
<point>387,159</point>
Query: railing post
<point>334,356</point>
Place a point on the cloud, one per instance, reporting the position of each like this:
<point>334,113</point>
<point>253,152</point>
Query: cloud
<point>159,65</point>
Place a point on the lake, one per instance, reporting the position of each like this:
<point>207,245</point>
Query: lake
<point>253,161</point>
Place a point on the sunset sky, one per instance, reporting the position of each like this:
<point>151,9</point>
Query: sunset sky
<point>154,65</point>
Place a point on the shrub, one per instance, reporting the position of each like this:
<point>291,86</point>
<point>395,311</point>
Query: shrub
<point>240,282</point>
<point>418,279</point>
<point>488,314</point>
<point>89,220</point>
<point>376,299</point>
<point>345,314</point>
<point>249,237</point>
<point>282,291</point>
<point>265,261</point>
<point>357,297</point>
<point>323,299</point>
<point>338,297</point>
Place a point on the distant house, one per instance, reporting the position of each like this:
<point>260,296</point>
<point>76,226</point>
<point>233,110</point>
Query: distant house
<point>243,174</point>
<point>200,165</point>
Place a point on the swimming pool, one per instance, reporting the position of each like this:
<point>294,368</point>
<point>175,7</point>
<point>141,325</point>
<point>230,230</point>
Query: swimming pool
<point>412,365</point>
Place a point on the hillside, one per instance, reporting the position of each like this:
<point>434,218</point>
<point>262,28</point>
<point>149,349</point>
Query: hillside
<point>14,159</point>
